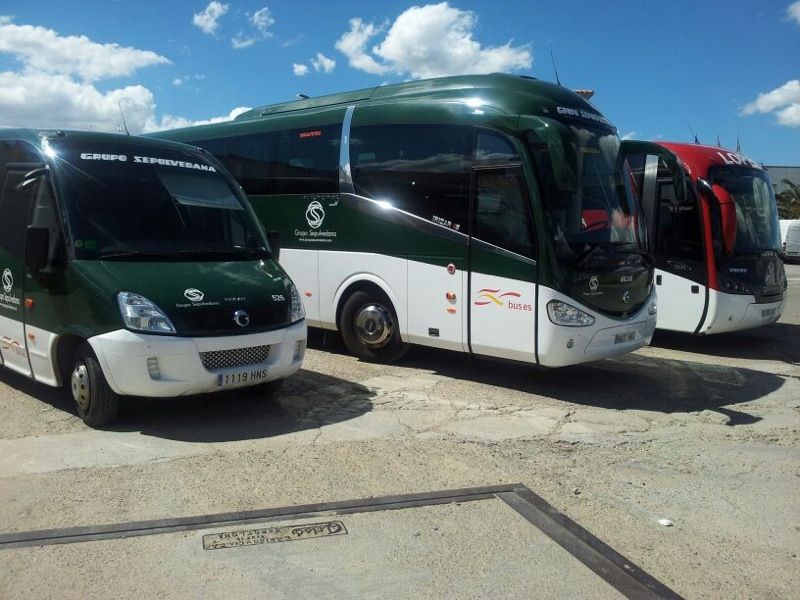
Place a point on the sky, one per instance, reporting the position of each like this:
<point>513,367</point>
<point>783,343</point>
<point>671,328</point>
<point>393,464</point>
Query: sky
<point>661,71</point>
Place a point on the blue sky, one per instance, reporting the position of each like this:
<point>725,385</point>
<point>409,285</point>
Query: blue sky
<point>659,69</point>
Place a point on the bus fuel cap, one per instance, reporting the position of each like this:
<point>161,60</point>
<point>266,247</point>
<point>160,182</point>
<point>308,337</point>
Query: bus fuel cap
<point>451,268</point>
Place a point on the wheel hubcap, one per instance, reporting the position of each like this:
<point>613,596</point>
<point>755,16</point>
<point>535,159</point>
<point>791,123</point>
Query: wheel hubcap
<point>374,325</point>
<point>81,392</point>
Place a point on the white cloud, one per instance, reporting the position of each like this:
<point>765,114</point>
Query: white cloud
<point>299,69</point>
<point>629,136</point>
<point>173,122</point>
<point>208,20</point>
<point>263,20</point>
<point>353,45</point>
<point>429,41</point>
<point>784,101</point>
<point>43,50</point>
<point>54,88</point>
<point>240,42</point>
<point>323,63</point>
<point>794,11</point>
<point>43,100</point>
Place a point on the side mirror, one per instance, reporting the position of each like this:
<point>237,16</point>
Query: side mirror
<point>274,241</point>
<point>726,209</point>
<point>37,245</point>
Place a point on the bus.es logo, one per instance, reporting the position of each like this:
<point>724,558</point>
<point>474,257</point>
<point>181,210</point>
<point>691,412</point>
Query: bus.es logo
<point>8,280</point>
<point>315,214</point>
<point>193,295</point>
<point>510,300</point>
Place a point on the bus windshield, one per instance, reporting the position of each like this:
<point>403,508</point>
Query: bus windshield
<point>126,201</point>
<point>757,226</point>
<point>590,200</point>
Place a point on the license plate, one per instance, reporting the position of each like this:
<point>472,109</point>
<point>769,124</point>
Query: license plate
<point>768,312</point>
<point>621,338</point>
<point>241,377</point>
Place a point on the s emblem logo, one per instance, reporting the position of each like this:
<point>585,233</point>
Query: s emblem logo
<point>8,280</point>
<point>241,318</point>
<point>594,283</point>
<point>193,295</point>
<point>315,214</point>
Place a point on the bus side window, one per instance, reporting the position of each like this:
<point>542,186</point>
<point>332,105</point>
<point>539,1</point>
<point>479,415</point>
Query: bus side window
<point>15,205</point>
<point>678,224</point>
<point>246,157</point>
<point>494,148</point>
<point>306,161</point>
<point>502,217</point>
<point>421,169</point>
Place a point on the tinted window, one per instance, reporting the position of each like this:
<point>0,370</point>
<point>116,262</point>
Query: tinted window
<point>171,206</point>
<point>679,233</point>
<point>305,161</point>
<point>493,147</point>
<point>295,161</point>
<point>15,214</point>
<point>502,217</point>
<point>421,169</point>
<point>15,205</point>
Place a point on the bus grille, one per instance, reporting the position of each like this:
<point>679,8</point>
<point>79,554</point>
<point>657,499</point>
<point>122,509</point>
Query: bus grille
<point>236,357</point>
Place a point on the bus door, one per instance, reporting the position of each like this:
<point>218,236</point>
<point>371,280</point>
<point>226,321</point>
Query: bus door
<point>502,278</point>
<point>15,208</point>
<point>674,225</point>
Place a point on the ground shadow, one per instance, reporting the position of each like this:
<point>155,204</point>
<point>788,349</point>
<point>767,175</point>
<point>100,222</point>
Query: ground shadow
<point>308,400</point>
<point>779,341</point>
<point>633,381</point>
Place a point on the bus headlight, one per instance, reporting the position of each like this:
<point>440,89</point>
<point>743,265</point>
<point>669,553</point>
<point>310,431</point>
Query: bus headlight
<point>562,313</point>
<point>296,309</point>
<point>140,314</point>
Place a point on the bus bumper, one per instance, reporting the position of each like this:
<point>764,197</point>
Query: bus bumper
<point>138,364</point>
<point>734,312</point>
<point>560,346</point>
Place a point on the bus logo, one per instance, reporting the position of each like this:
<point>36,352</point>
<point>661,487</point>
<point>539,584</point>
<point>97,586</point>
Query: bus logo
<point>315,214</point>
<point>594,283</point>
<point>510,300</point>
<point>8,280</point>
<point>193,295</point>
<point>626,297</point>
<point>241,318</point>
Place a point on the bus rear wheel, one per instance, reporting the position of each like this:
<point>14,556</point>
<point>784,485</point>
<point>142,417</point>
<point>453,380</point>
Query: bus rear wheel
<point>97,403</point>
<point>369,328</point>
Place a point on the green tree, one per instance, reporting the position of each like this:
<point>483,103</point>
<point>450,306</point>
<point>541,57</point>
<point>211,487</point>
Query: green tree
<point>789,201</point>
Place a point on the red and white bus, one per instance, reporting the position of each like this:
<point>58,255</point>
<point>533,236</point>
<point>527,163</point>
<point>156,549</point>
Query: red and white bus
<point>714,224</point>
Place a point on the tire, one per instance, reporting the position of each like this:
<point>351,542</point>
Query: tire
<point>96,402</point>
<point>369,328</point>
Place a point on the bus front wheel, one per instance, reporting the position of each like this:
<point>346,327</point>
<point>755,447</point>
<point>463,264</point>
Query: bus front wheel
<point>369,328</point>
<point>96,401</point>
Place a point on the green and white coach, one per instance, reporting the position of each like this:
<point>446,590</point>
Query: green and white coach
<point>489,214</point>
<point>132,266</point>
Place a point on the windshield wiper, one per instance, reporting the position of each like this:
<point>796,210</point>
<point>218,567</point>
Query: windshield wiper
<point>232,251</point>
<point>132,254</point>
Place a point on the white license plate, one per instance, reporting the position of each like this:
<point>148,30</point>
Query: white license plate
<point>628,336</point>
<point>244,377</point>
<point>767,313</point>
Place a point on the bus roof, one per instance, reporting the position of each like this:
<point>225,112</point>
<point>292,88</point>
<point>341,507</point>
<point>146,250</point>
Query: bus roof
<point>35,137</point>
<point>698,158</point>
<point>499,92</point>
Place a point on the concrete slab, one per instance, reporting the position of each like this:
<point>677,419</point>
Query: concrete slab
<point>473,543</point>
